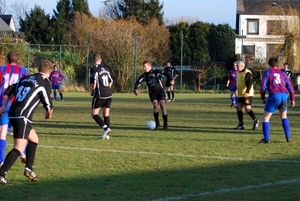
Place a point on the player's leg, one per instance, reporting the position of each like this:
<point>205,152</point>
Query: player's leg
<point>284,119</point>
<point>153,99</point>
<point>172,92</point>
<point>33,141</point>
<point>249,111</point>
<point>162,103</point>
<point>60,92</point>
<point>269,109</point>
<point>54,93</point>
<point>239,112</point>
<point>96,106</point>
<point>3,132</point>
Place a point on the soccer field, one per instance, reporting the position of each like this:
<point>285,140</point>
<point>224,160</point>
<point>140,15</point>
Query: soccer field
<point>200,156</point>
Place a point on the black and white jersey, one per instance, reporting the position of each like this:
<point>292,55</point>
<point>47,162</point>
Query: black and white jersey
<point>102,78</point>
<point>153,80</point>
<point>170,72</point>
<point>288,73</point>
<point>28,92</point>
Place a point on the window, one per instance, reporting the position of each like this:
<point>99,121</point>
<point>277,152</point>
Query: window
<point>249,49</point>
<point>274,50</point>
<point>252,26</point>
<point>276,27</point>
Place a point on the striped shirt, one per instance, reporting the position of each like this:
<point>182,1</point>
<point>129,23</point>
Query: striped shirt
<point>276,81</point>
<point>232,77</point>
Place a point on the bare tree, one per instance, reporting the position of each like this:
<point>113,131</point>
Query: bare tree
<point>18,10</point>
<point>3,7</point>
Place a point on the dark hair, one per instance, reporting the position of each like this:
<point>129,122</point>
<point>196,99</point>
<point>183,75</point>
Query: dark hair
<point>13,57</point>
<point>285,64</point>
<point>273,61</point>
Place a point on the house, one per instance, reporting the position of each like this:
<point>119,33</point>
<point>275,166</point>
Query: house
<point>261,35</point>
<point>7,27</point>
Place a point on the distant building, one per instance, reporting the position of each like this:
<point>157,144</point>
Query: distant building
<point>7,27</point>
<point>256,37</point>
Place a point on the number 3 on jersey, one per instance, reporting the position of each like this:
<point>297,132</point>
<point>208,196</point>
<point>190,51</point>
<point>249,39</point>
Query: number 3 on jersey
<point>22,93</point>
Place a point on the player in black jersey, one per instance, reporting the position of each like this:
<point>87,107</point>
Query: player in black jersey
<point>171,74</point>
<point>156,91</point>
<point>102,95</point>
<point>28,92</point>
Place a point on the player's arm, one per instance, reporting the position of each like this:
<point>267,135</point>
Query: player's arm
<point>291,91</point>
<point>263,89</point>
<point>9,93</point>
<point>138,84</point>
<point>47,100</point>
<point>249,82</point>
<point>228,80</point>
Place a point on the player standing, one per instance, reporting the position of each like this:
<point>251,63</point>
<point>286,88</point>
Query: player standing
<point>156,91</point>
<point>102,95</point>
<point>245,95</point>
<point>231,83</point>
<point>56,78</point>
<point>9,74</point>
<point>29,91</point>
<point>278,85</point>
<point>171,74</point>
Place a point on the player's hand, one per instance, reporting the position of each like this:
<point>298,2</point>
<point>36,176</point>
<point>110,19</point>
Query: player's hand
<point>172,82</point>
<point>293,103</point>
<point>136,92</point>
<point>48,114</point>
<point>92,93</point>
<point>227,85</point>
<point>246,95</point>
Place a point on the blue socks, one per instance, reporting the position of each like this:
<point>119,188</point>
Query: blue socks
<point>2,150</point>
<point>266,130</point>
<point>286,128</point>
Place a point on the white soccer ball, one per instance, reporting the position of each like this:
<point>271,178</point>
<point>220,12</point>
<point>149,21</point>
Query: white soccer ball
<point>151,125</point>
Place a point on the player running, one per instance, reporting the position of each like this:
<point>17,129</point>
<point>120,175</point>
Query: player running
<point>156,90</point>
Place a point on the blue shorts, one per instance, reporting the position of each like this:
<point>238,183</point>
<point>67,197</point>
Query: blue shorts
<point>232,88</point>
<point>57,86</point>
<point>277,101</point>
<point>4,117</point>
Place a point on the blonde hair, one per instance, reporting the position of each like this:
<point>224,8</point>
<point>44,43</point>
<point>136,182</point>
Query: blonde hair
<point>45,66</point>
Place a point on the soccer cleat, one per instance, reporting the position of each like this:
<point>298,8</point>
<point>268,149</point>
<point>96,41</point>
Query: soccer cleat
<point>30,174</point>
<point>231,105</point>
<point>240,127</point>
<point>173,100</point>
<point>23,158</point>
<point>289,140</point>
<point>105,134</point>
<point>169,100</point>
<point>165,127</point>
<point>263,141</point>
<point>4,181</point>
<point>63,100</point>
<point>255,124</point>
<point>157,125</point>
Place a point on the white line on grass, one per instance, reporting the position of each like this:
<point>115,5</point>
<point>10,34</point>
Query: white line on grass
<point>228,190</point>
<point>170,154</point>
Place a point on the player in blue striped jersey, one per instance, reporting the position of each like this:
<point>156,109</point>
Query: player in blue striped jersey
<point>9,74</point>
<point>276,83</point>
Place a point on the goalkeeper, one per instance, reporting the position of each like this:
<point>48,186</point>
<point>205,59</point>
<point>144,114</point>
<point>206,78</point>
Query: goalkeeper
<point>29,92</point>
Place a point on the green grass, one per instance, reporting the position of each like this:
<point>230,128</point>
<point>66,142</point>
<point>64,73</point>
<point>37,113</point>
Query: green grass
<point>200,156</point>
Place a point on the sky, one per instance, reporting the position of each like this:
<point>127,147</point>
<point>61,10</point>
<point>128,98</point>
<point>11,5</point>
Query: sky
<point>210,11</point>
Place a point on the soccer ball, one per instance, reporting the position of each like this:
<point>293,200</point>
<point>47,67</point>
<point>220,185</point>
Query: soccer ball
<point>151,125</point>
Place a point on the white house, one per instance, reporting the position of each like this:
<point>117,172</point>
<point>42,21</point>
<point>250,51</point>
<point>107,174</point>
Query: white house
<point>258,34</point>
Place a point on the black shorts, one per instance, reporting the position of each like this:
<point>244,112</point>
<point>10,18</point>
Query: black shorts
<point>168,83</point>
<point>245,101</point>
<point>21,126</point>
<point>99,103</point>
<point>157,95</point>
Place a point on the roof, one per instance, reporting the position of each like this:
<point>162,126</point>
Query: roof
<point>4,26</point>
<point>258,7</point>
